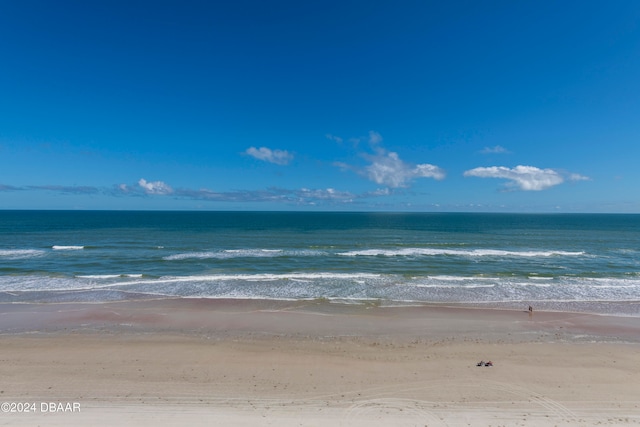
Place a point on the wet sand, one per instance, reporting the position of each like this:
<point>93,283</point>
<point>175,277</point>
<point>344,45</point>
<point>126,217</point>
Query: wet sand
<point>260,363</point>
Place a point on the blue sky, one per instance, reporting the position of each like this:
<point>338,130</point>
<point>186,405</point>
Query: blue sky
<point>502,106</point>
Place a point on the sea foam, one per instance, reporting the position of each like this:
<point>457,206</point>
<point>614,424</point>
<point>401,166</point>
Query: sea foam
<point>456,252</point>
<point>67,248</point>
<point>20,253</point>
<point>241,253</point>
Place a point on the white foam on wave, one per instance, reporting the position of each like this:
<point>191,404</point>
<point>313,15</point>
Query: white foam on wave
<point>42,284</point>
<point>253,252</point>
<point>167,280</point>
<point>67,248</point>
<point>190,255</point>
<point>20,253</point>
<point>460,278</point>
<point>106,276</point>
<point>492,252</point>
<point>225,254</point>
<point>269,277</point>
<point>240,253</point>
<point>450,286</point>
<point>536,284</point>
<point>456,252</point>
<point>297,286</point>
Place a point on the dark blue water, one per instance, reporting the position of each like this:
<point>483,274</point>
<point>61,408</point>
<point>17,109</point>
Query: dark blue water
<point>554,261</point>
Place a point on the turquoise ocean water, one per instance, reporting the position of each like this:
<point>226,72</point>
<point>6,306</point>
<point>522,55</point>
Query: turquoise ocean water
<point>555,261</point>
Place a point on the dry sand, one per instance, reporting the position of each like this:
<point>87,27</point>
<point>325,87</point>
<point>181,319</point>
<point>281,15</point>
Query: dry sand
<point>257,363</point>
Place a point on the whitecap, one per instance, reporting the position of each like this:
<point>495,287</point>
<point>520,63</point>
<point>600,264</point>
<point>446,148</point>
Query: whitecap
<point>269,277</point>
<point>536,284</point>
<point>190,255</point>
<point>240,253</point>
<point>461,278</point>
<point>446,286</point>
<point>20,253</point>
<point>253,253</point>
<point>456,252</point>
<point>107,276</point>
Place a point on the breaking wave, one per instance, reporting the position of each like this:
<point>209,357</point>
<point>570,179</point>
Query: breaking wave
<point>455,252</point>
<point>20,253</point>
<point>241,253</point>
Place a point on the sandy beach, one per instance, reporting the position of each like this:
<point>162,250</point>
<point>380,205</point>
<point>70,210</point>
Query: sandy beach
<point>262,363</point>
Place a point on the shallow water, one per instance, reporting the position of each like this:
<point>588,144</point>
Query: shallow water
<point>588,262</point>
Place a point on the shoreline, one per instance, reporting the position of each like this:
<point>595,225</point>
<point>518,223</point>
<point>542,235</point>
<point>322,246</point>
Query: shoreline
<point>259,363</point>
<point>616,308</point>
<point>230,316</point>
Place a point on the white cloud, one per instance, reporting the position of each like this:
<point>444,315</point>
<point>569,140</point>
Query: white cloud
<point>426,170</point>
<point>279,157</point>
<point>527,178</point>
<point>155,187</point>
<point>388,169</point>
<point>498,149</point>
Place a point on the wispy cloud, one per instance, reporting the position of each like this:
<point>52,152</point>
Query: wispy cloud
<point>334,138</point>
<point>279,157</point>
<point>302,196</point>
<point>578,177</point>
<point>62,189</point>
<point>155,187</point>
<point>374,138</point>
<point>67,189</point>
<point>324,196</point>
<point>123,189</point>
<point>387,168</point>
<point>496,149</point>
<point>526,178</point>
<point>161,189</point>
<point>9,188</point>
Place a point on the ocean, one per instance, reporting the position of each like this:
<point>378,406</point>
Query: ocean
<point>575,262</point>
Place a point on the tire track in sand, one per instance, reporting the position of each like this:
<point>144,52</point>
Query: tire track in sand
<point>404,411</point>
<point>385,399</point>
